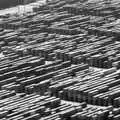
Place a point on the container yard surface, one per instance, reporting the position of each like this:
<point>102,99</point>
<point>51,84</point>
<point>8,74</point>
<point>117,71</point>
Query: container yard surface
<point>20,9</point>
<point>60,60</point>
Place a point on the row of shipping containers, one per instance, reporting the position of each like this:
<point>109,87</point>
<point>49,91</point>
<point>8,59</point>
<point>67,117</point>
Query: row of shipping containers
<point>10,3</point>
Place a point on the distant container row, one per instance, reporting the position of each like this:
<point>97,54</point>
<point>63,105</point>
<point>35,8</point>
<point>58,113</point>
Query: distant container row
<point>10,3</point>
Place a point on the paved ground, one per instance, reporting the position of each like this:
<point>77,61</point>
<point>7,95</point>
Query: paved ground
<point>22,8</point>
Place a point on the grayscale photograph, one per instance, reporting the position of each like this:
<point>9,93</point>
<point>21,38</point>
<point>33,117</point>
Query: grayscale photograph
<point>59,60</point>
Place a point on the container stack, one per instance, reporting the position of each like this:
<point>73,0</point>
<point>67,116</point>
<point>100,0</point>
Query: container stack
<point>8,4</point>
<point>61,62</point>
